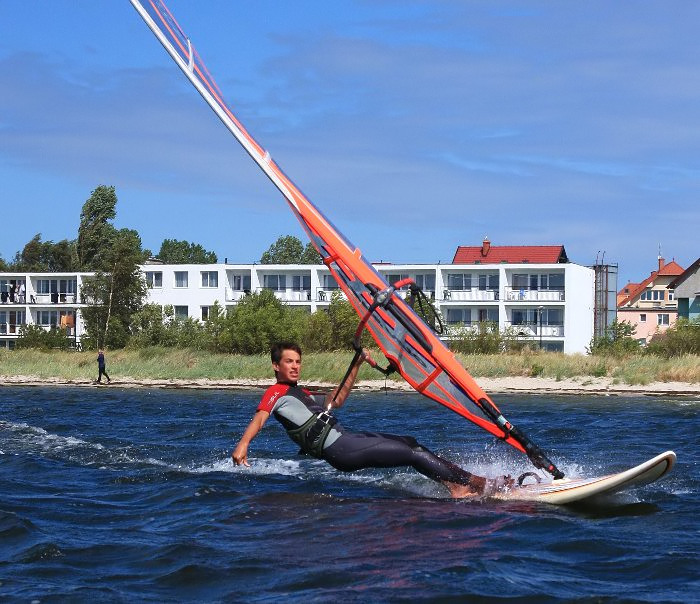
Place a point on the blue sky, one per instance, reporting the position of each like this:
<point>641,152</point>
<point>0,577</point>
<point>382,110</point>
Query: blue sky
<point>415,126</point>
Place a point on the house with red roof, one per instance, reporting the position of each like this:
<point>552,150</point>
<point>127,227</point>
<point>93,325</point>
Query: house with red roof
<point>650,306</point>
<point>532,290</point>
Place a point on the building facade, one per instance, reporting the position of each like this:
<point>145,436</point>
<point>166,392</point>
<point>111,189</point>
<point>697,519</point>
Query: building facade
<point>46,299</point>
<point>686,288</point>
<point>650,306</point>
<point>549,304</point>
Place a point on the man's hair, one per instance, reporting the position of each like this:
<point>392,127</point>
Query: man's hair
<point>277,350</point>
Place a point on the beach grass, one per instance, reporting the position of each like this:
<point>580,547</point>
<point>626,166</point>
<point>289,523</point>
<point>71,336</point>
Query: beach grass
<point>184,364</point>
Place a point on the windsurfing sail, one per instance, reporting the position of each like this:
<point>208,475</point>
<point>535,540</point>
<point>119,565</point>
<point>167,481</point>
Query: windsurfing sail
<point>403,337</point>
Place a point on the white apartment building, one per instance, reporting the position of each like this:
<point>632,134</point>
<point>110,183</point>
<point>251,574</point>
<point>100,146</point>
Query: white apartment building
<point>548,304</point>
<point>45,299</point>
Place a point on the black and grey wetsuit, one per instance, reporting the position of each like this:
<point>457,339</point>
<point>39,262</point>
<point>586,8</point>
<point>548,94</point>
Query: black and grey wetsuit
<point>301,414</point>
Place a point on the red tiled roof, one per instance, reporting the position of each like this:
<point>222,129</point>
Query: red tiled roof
<point>635,289</point>
<point>513,254</point>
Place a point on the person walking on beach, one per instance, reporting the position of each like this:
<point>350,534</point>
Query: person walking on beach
<point>101,367</point>
<point>308,421</point>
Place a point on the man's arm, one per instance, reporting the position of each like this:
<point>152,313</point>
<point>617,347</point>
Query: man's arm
<point>240,453</point>
<point>344,392</point>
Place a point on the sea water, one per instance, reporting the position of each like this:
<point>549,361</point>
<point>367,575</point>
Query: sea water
<point>112,494</point>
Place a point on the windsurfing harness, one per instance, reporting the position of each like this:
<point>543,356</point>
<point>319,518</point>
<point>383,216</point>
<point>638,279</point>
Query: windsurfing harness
<point>410,346</point>
<point>302,415</point>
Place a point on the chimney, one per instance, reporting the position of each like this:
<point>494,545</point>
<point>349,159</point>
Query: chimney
<point>485,247</point>
<point>661,262</point>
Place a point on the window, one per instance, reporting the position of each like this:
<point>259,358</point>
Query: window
<point>488,282</point>
<point>459,316</point>
<point>154,279</point>
<point>329,282</point>
<point>47,318</point>
<point>459,281</point>
<point>488,315</point>
<point>643,317</point>
<point>671,295</point>
<point>520,281</point>
<point>43,286</point>
<point>301,283</point>
<point>205,313</point>
<point>426,282</point>
<point>657,294</point>
<point>662,319</point>
<point>181,279</point>
<point>241,283</point>
<point>181,312</point>
<point>210,279</point>
<point>67,286</point>
<point>275,282</point>
<point>552,281</point>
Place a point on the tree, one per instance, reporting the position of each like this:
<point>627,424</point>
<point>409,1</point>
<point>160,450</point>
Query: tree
<point>289,249</point>
<point>96,232</point>
<point>618,340</point>
<point>258,321</point>
<point>35,336</point>
<point>173,251</point>
<point>46,256</point>
<point>114,295</point>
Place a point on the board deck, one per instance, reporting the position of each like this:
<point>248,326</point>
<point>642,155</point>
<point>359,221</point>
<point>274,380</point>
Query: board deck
<point>572,490</point>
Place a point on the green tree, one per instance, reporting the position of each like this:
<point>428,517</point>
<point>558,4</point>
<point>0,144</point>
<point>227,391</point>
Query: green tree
<point>681,339</point>
<point>218,337</point>
<point>618,340</point>
<point>46,256</point>
<point>289,249</point>
<point>258,321</point>
<point>173,251</point>
<point>35,336</point>
<point>310,255</point>
<point>96,231</point>
<point>115,294</point>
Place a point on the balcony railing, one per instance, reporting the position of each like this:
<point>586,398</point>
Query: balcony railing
<point>288,295</point>
<point>474,294</point>
<point>537,330</point>
<point>534,295</point>
<point>55,298</point>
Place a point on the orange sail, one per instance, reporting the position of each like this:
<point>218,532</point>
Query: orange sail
<point>407,342</point>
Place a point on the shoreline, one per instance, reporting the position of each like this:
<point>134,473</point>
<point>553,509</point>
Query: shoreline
<point>501,385</point>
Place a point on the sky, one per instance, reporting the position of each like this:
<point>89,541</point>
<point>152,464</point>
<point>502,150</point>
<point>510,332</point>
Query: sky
<point>415,127</point>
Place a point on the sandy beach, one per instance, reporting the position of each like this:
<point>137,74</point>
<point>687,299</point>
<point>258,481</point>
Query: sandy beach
<point>524,385</point>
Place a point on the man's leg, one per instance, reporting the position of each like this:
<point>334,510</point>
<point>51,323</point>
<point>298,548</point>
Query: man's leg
<point>355,451</point>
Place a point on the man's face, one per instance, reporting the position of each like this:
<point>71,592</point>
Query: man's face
<point>289,367</point>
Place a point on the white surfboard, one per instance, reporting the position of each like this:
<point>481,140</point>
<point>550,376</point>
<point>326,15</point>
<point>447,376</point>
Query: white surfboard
<point>572,490</point>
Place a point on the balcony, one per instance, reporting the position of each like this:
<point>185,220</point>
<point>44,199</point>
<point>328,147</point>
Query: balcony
<point>535,330</point>
<point>534,295</point>
<point>288,295</point>
<point>470,295</point>
<point>55,298</point>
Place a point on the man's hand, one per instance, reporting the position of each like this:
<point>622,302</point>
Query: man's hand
<point>240,455</point>
<point>367,358</point>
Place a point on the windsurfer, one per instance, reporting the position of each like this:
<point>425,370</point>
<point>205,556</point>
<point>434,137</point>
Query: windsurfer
<point>307,419</point>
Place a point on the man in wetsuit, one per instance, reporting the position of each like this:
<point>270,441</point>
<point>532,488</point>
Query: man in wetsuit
<point>307,419</point>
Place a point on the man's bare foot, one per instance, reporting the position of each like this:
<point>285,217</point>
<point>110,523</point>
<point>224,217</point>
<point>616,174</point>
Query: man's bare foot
<point>461,491</point>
